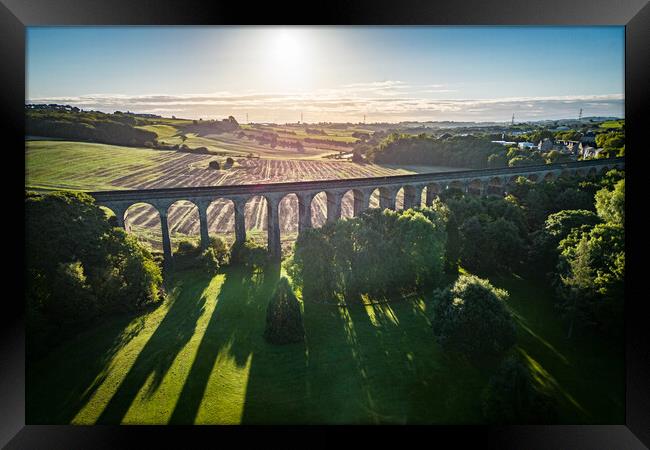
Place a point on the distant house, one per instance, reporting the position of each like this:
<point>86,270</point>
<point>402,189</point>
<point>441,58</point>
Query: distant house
<point>562,128</point>
<point>545,145</point>
<point>588,152</point>
<point>507,143</point>
<point>571,147</point>
<point>444,136</point>
<point>526,145</point>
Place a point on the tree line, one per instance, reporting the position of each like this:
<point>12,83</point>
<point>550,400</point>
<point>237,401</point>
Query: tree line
<point>88,126</point>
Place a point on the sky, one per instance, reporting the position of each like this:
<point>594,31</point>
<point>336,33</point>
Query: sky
<point>333,74</point>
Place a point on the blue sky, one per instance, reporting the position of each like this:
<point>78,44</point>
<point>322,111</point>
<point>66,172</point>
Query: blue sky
<point>331,73</point>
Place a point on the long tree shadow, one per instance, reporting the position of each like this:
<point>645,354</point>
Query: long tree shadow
<point>410,379</point>
<point>158,354</point>
<point>231,332</point>
<point>359,365</point>
<point>54,392</point>
<point>318,381</point>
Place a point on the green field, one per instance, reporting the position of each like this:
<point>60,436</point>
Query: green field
<point>200,358</point>
<point>84,165</point>
<point>613,124</point>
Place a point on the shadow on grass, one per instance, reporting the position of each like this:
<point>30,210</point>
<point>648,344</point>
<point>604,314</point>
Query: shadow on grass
<point>58,396</point>
<point>158,354</point>
<point>230,332</point>
<point>358,365</point>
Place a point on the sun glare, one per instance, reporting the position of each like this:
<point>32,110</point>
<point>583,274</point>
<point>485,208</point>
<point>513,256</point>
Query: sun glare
<point>288,56</point>
<point>286,47</point>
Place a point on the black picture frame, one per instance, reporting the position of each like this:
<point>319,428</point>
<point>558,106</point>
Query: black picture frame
<point>15,15</point>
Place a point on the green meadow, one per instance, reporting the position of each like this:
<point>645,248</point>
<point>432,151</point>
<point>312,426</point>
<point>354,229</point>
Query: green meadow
<point>200,358</point>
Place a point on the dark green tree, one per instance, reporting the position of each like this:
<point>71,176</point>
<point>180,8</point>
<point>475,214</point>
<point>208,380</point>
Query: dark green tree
<point>284,324</point>
<point>470,317</point>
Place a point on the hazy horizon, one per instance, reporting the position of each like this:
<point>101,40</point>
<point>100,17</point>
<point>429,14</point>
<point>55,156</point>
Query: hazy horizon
<point>332,74</point>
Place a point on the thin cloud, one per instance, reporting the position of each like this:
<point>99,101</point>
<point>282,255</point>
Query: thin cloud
<point>391,101</point>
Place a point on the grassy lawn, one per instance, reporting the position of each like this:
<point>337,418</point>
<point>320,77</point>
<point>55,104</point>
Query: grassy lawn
<point>200,358</point>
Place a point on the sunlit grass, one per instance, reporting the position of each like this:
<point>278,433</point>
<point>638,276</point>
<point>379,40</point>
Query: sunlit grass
<point>201,358</point>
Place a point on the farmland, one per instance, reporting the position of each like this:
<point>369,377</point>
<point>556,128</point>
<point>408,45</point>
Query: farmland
<point>55,164</point>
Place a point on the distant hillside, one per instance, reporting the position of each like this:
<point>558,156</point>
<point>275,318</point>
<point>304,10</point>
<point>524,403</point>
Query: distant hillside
<point>71,123</point>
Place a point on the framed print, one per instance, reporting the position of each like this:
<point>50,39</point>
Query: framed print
<point>408,215</point>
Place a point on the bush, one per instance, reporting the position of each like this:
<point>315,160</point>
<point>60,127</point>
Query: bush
<point>189,255</point>
<point>221,250</point>
<point>470,317</point>
<point>209,261</point>
<point>514,396</point>
<point>284,316</point>
<point>188,247</point>
<point>214,165</point>
<point>250,255</point>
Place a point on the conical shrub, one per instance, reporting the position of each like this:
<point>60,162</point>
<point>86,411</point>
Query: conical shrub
<point>284,316</point>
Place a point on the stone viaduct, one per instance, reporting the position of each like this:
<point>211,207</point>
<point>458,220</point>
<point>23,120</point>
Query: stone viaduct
<point>483,181</point>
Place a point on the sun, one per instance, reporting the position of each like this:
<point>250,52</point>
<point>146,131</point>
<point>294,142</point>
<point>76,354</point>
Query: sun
<point>286,47</point>
<point>288,62</point>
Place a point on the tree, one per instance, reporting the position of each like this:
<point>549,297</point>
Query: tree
<point>284,324</point>
<point>514,396</point>
<point>555,156</point>
<point>591,273</point>
<point>470,317</point>
<point>543,253</point>
<point>610,140</point>
<point>497,160</point>
<point>480,228</point>
<point>79,266</point>
<point>610,204</point>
